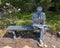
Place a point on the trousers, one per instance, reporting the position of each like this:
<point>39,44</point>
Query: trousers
<point>41,27</point>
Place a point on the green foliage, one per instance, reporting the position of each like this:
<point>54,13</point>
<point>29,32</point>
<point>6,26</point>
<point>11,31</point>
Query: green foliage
<point>46,3</point>
<point>27,7</point>
<point>25,19</point>
<point>23,22</point>
<point>58,3</point>
<point>53,19</point>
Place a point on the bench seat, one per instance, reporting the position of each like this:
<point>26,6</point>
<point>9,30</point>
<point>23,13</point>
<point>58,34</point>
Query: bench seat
<point>24,27</point>
<point>20,28</point>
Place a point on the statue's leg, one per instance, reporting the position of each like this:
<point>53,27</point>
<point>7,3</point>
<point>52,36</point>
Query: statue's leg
<point>41,35</point>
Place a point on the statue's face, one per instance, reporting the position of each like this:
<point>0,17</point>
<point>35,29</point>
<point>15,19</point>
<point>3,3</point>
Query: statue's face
<point>39,9</point>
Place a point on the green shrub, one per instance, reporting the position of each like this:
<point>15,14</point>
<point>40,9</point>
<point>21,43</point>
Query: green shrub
<point>23,22</point>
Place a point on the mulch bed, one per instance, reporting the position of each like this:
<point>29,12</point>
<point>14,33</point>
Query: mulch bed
<point>31,40</point>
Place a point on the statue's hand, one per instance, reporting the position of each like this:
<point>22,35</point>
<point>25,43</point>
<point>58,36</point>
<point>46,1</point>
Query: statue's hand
<point>40,21</point>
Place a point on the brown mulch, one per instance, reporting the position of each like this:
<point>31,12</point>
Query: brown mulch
<point>30,41</point>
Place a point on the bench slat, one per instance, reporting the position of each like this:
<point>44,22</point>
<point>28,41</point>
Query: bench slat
<point>25,27</point>
<point>20,28</point>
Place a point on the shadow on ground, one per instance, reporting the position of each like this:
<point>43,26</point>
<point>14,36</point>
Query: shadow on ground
<point>33,35</point>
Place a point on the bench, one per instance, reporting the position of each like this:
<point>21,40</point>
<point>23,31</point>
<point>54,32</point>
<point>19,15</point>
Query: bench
<point>21,28</point>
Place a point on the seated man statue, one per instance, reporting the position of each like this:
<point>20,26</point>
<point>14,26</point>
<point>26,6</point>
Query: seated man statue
<point>38,21</point>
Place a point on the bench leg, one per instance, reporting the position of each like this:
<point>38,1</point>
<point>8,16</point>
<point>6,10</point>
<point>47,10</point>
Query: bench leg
<point>14,35</point>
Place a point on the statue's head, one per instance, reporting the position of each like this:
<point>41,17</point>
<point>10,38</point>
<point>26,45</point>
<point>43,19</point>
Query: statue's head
<point>39,9</point>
